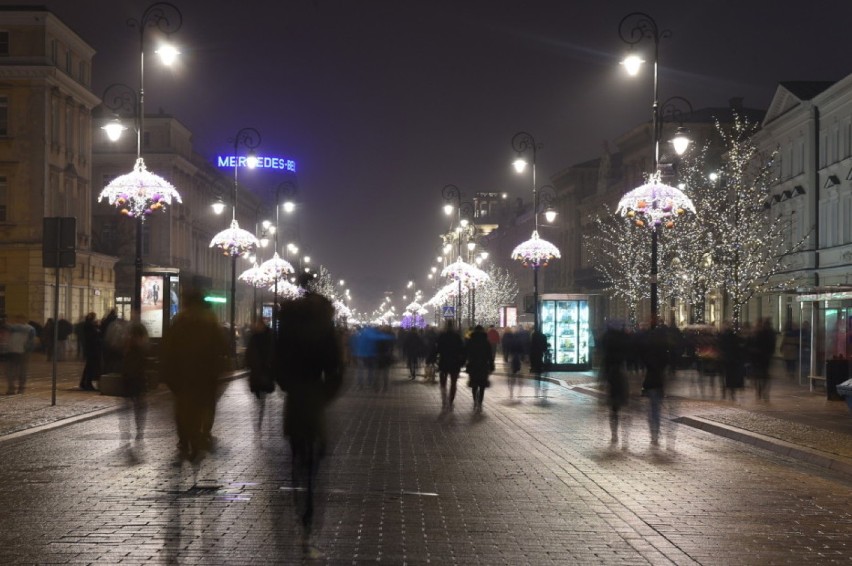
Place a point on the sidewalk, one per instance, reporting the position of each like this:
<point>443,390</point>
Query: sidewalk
<point>795,421</point>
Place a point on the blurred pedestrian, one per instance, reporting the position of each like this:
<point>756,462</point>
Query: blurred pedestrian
<point>430,347</point>
<point>20,341</point>
<point>91,352</point>
<point>193,358</point>
<point>656,359</point>
<point>451,358</point>
<point>790,350</point>
<point>111,347</point>
<point>505,343</point>
<point>731,352</point>
<point>309,368</point>
<point>48,340</point>
<point>134,368</point>
<point>539,355</point>
<point>384,348</point>
<point>480,364</point>
<point>65,329</point>
<point>616,348</point>
<point>761,349</point>
<point>412,350</point>
<point>493,340</point>
<point>513,348</point>
<point>259,358</point>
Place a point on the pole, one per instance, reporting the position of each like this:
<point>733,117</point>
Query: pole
<point>55,325</point>
<point>535,297</point>
<point>654,265</point>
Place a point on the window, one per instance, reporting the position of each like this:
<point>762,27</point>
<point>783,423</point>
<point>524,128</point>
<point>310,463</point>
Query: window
<point>54,121</point>
<point>81,135</point>
<point>83,76</point>
<point>4,43</point>
<point>2,300</point>
<point>4,116</point>
<point>54,52</point>
<point>69,128</point>
<point>69,59</point>
<point>4,195</point>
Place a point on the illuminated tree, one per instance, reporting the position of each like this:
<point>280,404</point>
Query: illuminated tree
<point>500,289</point>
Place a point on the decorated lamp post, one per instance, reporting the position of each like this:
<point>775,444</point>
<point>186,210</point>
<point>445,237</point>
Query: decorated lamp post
<point>140,193</point>
<point>535,252</point>
<point>276,267</point>
<point>234,241</point>
<point>653,204</point>
<point>453,202</point>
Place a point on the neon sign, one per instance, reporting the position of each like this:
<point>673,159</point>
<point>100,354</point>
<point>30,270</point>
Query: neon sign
<point>263,162</point>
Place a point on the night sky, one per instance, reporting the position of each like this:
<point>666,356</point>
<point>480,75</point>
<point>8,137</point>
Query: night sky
<point>382,103</point>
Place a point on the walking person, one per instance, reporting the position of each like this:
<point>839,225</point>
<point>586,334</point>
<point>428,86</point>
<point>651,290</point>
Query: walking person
<point>480,364</point>
<point>412,350</point>
<point>493,340</point>
<point>513,349</point>
<point>761,349</point>
<point>731,351</point>
<point>259,354</point>
<point>616,344</point>
<point>656,359</point>
<point>451,358</point>
<point>193,359</point>
<point>309,368</point>
<point>538,356</point>
<point>20,339</point>
<point>134,368</point>
<point>92,351</point>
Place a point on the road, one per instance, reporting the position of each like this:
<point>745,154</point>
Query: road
<point>531,481</point>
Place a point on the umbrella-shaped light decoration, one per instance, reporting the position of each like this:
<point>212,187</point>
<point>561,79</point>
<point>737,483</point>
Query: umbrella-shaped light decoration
<point>444,294</point>
<point>469,275</point>
<point>140,192</point>
<point>654,203</point>
<point>276,268</point>
<point>341,310</point>
<point>251,276</point>
<point>535,251</point>
<point>413,307</point>
<point>234,241</point>
<point>286,289</point>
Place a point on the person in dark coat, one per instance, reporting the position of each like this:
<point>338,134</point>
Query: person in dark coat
<point>655,355</point>
<point>412,350</point>
<point>731,351</point>
<point>451,358</point>
<point>194,357</point>
<point>539,357</point>
<point>91,351</point>
<point>761,349</point>
<point>480,364</point>
<point>259,361</point>
<point>134,366</point>
<point>309,367</point>
<point>615,343</point>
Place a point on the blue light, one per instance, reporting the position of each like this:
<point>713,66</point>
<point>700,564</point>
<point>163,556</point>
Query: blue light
<point>263,162</point>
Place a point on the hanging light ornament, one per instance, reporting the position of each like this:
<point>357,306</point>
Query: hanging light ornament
<point>535,252</point>
<point>140,192</point>
<point>286,289</point>
<point>251,276</point>
<point>469,275</point>
<point>655,203</point>
<point>276,268</point>
<point>234,241</point>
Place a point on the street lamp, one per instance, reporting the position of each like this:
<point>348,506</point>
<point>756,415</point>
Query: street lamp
<point>140,192</point>
<point>452,194</point>
<point>235,241</point>
<point>653,203</point>
<point>277,267</point>
<point>534,252</point>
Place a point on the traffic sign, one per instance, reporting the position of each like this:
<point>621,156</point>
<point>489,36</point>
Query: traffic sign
<point>449,312</point>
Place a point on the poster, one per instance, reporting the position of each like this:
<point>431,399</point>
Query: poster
<point>152,305</point>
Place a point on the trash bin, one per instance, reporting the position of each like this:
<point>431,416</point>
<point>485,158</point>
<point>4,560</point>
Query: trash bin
<point>836,372</point>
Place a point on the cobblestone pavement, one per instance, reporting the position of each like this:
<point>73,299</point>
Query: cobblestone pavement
<point>534,480</point>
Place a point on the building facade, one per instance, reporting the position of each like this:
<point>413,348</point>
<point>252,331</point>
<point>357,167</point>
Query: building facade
<point>46,108</point>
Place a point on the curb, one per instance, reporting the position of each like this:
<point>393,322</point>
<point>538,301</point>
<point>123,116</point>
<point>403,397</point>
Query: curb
<point>809,455</point>
<point>94,414</point>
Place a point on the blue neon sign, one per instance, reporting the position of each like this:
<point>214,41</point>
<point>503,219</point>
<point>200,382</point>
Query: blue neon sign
<point>263,162</point>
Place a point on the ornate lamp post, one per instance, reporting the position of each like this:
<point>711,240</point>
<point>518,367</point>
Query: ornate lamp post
<point>534,252</point>
<point>276,267</point>
<point>235,241</point>
<point>654,202</point>
<point>464,210</point>
<point>140,192</point>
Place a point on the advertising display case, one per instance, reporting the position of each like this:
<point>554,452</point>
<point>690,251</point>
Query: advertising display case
<point>564,321</point>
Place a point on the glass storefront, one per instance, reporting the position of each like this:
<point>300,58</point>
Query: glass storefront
<point>564,320</point>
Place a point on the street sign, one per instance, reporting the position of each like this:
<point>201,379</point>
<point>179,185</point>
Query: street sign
<point>449,311</point>
<point>59,242</point>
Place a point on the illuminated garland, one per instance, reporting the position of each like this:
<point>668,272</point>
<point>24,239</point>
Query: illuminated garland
<point>535,252</point>
<point>654,202</point>
<point>140,192</point>
<point>234,241</point>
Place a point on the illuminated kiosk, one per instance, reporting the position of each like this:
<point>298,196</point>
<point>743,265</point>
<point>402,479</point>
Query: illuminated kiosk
<point>564,321</point>
<point>160,299</point>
